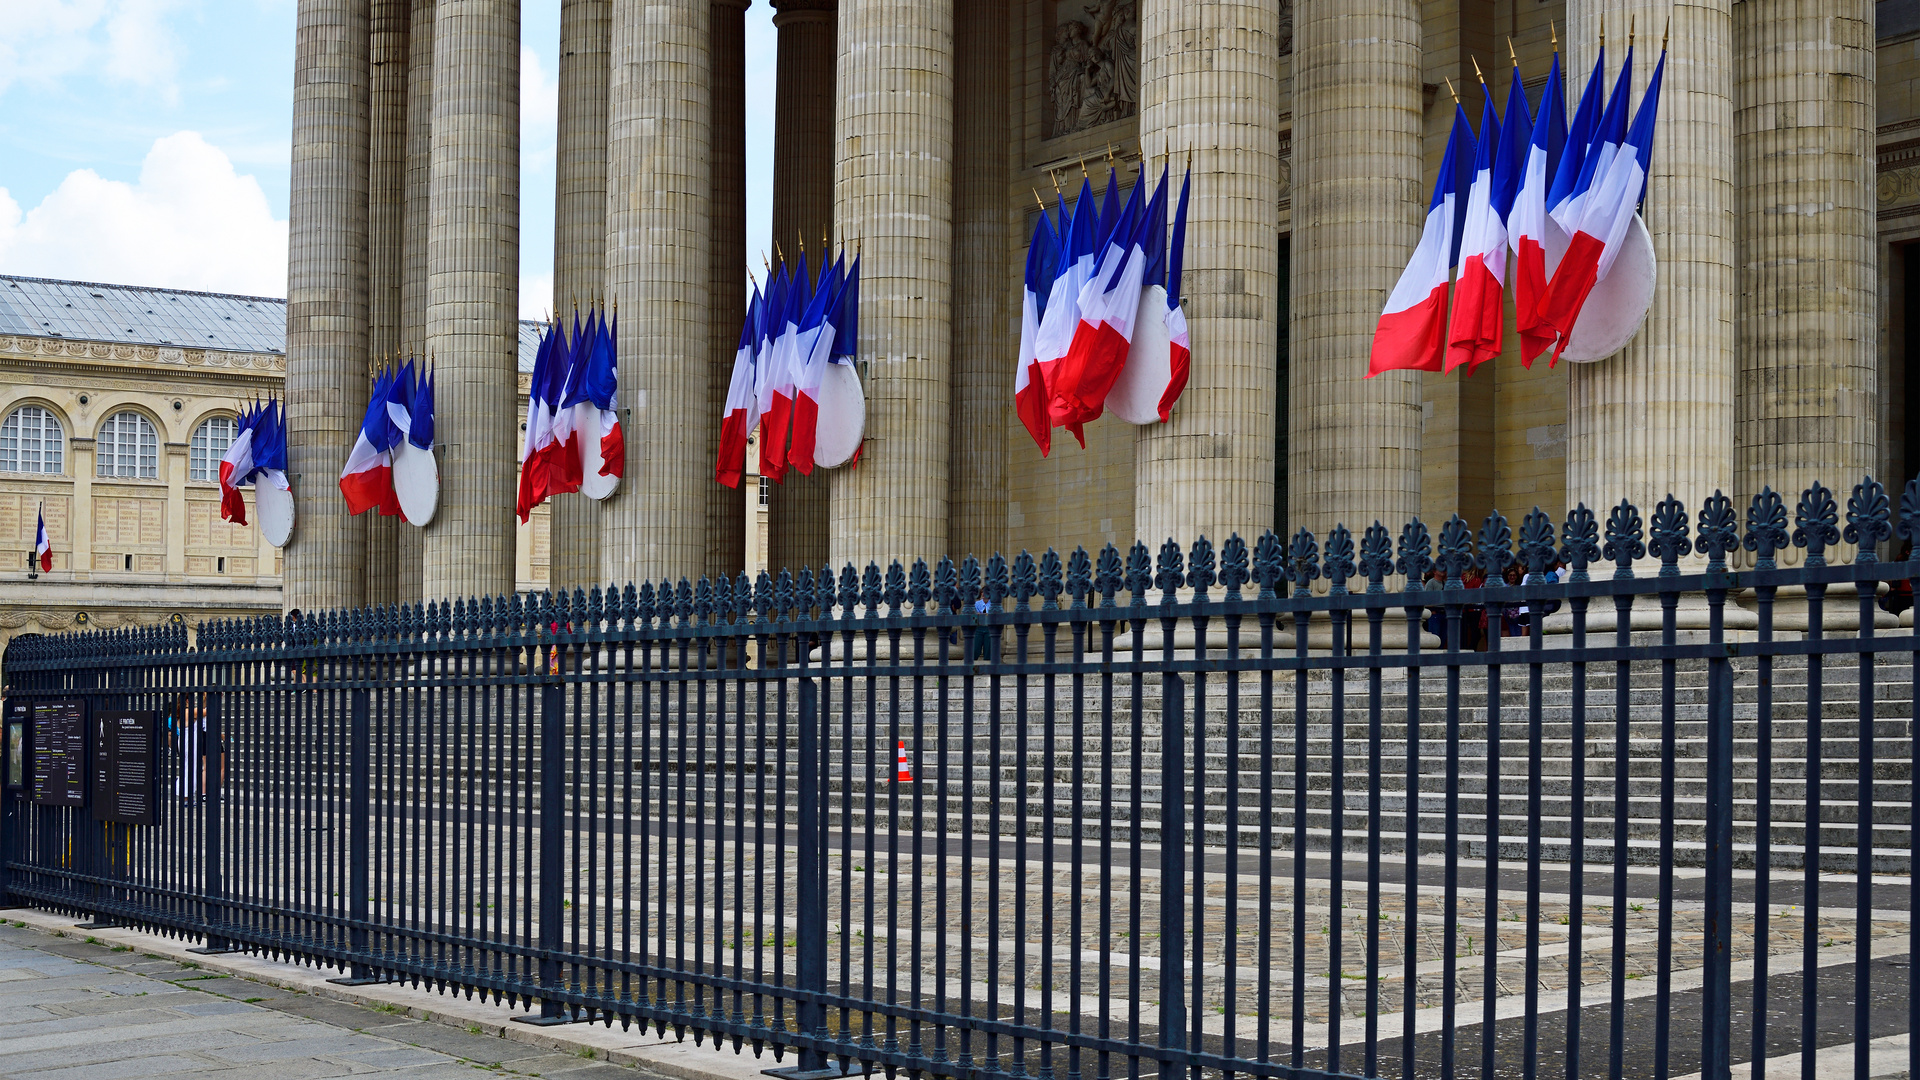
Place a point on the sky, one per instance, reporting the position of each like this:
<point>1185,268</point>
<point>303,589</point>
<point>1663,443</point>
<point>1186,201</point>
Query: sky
<point>147,142</point>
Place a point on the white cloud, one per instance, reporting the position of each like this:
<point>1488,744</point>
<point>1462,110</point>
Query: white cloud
<point>539,111</point>
<point>189,222</point>
<point>126,41</point>
<point>536,295</point>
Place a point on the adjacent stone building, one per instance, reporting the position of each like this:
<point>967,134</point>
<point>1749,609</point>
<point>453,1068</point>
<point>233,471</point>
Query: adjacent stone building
<point>116,405</point>
<point>921,132</point>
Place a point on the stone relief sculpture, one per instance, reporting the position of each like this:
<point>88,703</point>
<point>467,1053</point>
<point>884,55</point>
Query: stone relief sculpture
<point>1093,69</point>
<point>1093,66</point>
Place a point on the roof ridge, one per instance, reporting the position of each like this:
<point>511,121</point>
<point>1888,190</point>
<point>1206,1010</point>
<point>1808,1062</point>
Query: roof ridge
<point>140,288</point>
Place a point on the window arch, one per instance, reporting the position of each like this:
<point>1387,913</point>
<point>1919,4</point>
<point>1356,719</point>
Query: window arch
<point>210,442</point>
<point>32,441</point>
<point>128,447</point>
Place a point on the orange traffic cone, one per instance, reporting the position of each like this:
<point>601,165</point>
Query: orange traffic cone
<point>902,772</point>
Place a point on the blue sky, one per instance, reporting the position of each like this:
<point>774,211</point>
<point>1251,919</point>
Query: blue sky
<point>147,142</point>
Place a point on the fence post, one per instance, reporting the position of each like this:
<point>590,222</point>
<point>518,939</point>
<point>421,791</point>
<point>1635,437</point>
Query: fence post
<point>214,912</point>
<point>810,934</point>
<point>553,814</point>
<point>1173,876</point>
<point>359,826</point>
<point>1717,988</point>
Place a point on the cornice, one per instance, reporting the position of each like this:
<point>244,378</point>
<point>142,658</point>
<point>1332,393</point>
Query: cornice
<point>113,354</point>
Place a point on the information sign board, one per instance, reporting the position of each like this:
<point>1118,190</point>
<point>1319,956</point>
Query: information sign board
<point>124,752</point>
<point>16,735</point>
<point>59,749</point>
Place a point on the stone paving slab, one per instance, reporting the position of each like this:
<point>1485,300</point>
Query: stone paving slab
<point>76,1007</point>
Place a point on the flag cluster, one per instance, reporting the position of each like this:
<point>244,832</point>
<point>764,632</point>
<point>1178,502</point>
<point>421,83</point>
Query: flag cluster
<point>258,452</point>
<point>792,332</point>
<point>400,409</point>
<point>573,435</point>
<point>1091,278</point>
<point>1530,185</point>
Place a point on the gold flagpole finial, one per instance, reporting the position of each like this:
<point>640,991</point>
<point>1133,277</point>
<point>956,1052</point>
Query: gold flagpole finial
<point>1630,33</point>
<point>1664,34</point>
<point>1456,94</point>
<point>1083,169</point>
<point>778,254</point>
<point>1038,199</point>
<point>1603,30</point>
<point>1511,55</point>
<point>1554,33</point>
<point>1053,175</point>
<point>803,241</point>
<point>1477,73</point>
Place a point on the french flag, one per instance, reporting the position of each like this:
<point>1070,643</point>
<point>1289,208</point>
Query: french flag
<point>1180,344</point>
<point>535,450</point>
<point>1608,211</point>
<point>777,419</point>
<point>772,322</point>
<point>236,465</point>
<point>1411,335</point>
<point>367,481</point>
<point>743,405</point>
<point>1029,385</point>
<point>1479,320</point>
<point>1527,223</point>
<point>1583,217</point>
<point>595,408</point>
<point>1109,303</point>
<point>420,429</point>
<point>42,547</point>
<point>1579,142</point>
<point>570,363</point>
<point>816,342</point>
<point>1062,315</point>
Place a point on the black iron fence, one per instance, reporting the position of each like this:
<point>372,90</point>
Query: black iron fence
<point>1214,812</point>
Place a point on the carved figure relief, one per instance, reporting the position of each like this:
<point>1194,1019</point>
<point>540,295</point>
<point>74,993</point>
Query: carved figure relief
<point>1093,65</point>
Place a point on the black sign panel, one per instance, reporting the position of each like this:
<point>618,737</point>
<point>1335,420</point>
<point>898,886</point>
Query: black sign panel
<point>125,749</point>
<point>59,748</point>
<point>16,736</point>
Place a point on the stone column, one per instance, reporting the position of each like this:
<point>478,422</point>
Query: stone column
<point>802,207</point>
<point>1807,388</point>
<point>982,385</point>
<point>727,267</point>
<point>580,240</point>
<point>659,219</point>
<point>325,561</point>
<point>893,198</point>
<point>1808,272</point>
<point>473,286</point>
<point>386,242</point>
<point>410,545</point>
<point>1657,418</point>
<point>1358,201</point>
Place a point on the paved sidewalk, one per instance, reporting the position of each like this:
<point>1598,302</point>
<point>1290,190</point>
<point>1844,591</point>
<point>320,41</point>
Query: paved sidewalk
<point>70,1010</point>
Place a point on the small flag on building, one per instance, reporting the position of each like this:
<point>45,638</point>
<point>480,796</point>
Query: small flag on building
<point>42,547</point>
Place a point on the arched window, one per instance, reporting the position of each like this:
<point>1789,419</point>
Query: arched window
<point>128,447</point>
<point>32,441</point>
<point>210,442</point>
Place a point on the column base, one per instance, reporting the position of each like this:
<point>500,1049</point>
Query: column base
<point>1839,612</point>
<point>1692,613</point>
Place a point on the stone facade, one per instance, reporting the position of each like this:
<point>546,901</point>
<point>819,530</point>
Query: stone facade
<point>1777,349</point>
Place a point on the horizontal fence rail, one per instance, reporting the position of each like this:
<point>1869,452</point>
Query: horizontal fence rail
<point>1215,812</point>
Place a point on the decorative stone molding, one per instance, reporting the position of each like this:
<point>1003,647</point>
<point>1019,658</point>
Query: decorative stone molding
<point>152,354</point>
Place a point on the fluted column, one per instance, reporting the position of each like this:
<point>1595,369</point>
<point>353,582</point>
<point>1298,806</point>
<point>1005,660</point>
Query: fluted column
<point>325,561</point>
<point>410,545</point>
<point>1808,268</point>
<point>659,196</point>
<point>802,207</point>
<point>473,285</point>
<point>1353,443</point>
<point>982,389</point>
<point>893,196</point>
<point>386,241</point>
<point>1658,417</point>
<point>580,239</point>
<point>727,263</point>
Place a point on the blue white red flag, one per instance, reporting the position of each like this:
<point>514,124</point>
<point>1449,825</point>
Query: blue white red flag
<point>1527,223</point>
<point>1606,213</point>
<point>367,479</point>
<point>1078,251</point>
<point>1109,303</point>
<point>819,327</point>
<point>1179,343</point>
<point>743,405</point>
<point>1029,385</point>
<point>42,547</point>
<point>1411,334</point>
<point>1476,327</point>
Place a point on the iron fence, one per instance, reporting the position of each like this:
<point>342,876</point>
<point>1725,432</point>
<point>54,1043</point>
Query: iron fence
<point>1216,812</point>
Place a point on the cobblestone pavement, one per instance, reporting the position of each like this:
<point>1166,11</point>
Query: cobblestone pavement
<point>70,1010</point>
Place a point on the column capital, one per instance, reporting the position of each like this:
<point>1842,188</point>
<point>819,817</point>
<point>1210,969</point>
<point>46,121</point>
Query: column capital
<point>786,11</point>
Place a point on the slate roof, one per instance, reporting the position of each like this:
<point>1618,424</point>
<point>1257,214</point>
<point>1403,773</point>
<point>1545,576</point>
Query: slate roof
<point>133,315</point>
